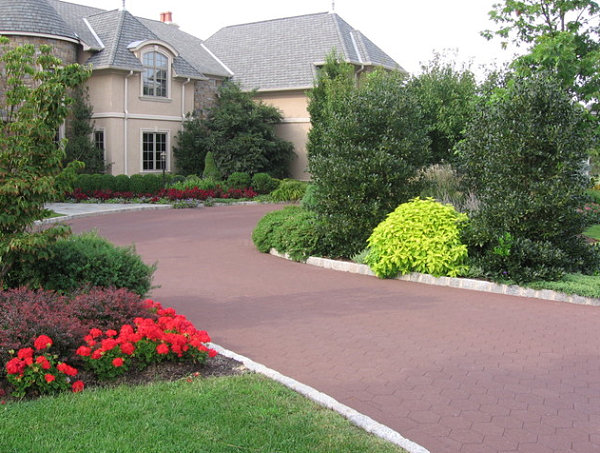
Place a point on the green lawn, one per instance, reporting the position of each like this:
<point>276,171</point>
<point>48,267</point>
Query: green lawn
<point>593,232</point>
<point>247,413</point>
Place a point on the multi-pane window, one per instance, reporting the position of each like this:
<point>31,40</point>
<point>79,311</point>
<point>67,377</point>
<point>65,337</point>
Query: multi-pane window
<point>156,71</point>
<point>154,151</point>
<point>99,140</point>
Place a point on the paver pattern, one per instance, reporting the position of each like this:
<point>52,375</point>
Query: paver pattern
<point>453,370</point>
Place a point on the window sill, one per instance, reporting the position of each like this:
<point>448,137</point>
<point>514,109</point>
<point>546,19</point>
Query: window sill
<point>155,99</point>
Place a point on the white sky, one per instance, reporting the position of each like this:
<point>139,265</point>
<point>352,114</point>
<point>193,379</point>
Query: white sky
<point>409,31</point>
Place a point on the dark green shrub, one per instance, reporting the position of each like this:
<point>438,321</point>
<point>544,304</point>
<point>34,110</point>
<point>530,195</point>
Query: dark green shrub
<point>299,235</point>
<point>309,201</point>
<point>289,190</point>
<point>263,183</point>
<point>192,144</point>
<point>84,182</point>
<point>136,184</point>
<point>107,182</point>
<point>121,183</point>
<point>238,180</point>
<point>366,146</point>
<point>419,236</point>
<point>153,183</point>
<point>210,168</point>
<point>292,230</point>
<point>524,156</point>
<point>86,260</point>
<point>242,134</point>
<point>262,236</point>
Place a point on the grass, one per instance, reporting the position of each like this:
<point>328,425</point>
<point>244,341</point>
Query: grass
<point>48,214</point>
<point>582,285</point>
<point>593,232</point>
<point>247,413</point>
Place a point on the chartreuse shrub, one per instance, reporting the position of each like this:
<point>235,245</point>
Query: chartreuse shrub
<point>85,260</point>
<point>419,236</point>
<point>210,168</point>
<point>524,156</point>
<point>292,230</point>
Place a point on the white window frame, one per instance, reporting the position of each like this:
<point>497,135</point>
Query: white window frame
<point>156,49</point>
<point>167,134</point>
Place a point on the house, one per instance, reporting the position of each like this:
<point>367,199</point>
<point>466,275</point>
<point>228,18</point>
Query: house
<point>280,58</point>
<point>148,74</point>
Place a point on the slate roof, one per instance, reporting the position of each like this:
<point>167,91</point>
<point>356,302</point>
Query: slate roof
<point>283,53</point>
<point>33,16</point>
<point>108,34</point>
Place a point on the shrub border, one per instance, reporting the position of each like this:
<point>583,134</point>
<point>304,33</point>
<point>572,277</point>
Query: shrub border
<point>461,283</point>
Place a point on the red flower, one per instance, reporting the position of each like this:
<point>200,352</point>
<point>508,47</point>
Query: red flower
<point>66,369</point>
<point>212,353</point>
<point>49,378</point>
<point>83,351</point>
<point>42,342</point>
<point>97,354</point>
<point>89,340</point>
<point>108,344</point>
<point>77,386</point>
<point>28,361</point>
<point>111,333</point>
<point>43,361</point>
<point>162,349</point>
<point>117,362</point>
<point>127,348</point>
<point>15,366</point>
<point>95,333</point>
<point>24,353</point>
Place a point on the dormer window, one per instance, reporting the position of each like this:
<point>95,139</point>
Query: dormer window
<point>156,73</point>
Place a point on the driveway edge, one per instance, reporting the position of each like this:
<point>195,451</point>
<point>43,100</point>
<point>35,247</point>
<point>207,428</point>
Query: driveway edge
<point>462,283</point>
<point>362,421</point>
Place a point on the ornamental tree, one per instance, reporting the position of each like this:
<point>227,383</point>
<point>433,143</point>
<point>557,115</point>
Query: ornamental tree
<point>34,104</point>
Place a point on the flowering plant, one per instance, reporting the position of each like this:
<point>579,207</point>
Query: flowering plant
<point>37,371</point>
<point>171,337</point>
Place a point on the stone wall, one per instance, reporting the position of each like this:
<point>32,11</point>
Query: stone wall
<point>205,95</point>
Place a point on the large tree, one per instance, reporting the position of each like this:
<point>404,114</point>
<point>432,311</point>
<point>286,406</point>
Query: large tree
<point>33,105</point>
<point>561,36</point>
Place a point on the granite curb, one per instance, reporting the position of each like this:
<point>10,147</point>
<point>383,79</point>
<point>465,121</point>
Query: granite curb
<point>462,283</point>
<point>362,421</point>
<point>89,211</point>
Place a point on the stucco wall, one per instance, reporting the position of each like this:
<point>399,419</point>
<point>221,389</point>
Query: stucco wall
<point>293,105</point>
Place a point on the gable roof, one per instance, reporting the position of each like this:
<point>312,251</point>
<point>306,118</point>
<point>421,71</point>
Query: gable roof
<point>109,34</point>
<point>33,17</point>
<point>284,53</point>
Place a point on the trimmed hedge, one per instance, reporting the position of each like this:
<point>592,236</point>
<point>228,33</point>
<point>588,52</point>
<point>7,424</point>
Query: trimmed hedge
<point>86,260</point>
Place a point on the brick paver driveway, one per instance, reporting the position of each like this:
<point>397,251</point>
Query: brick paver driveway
<point>453,370</point>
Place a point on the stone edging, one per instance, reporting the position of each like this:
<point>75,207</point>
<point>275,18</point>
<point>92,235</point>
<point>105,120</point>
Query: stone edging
<point>355,417</point>
<point>462,283</point>
<point>149,207</point>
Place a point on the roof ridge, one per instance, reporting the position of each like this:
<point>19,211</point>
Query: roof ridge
<point>275,20</point>
<point>335,17</point>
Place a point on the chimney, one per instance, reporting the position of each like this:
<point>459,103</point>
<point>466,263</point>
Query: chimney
<point>167,17</point>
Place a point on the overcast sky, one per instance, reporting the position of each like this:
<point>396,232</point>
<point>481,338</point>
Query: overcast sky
<point>409,31</point>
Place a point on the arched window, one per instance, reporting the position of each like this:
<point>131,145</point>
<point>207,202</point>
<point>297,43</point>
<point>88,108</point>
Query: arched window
<point>156,73</point>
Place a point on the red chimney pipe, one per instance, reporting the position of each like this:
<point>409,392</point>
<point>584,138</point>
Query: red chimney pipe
<point>167,17</point>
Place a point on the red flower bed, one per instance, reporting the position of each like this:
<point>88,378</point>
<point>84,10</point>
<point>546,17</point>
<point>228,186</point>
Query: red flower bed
<point>170,194</point>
